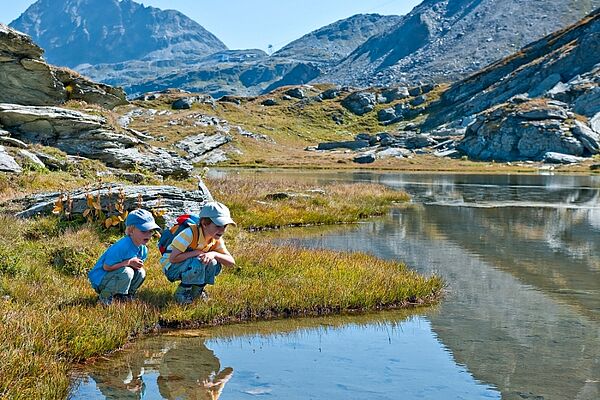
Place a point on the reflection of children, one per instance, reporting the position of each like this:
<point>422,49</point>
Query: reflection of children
<point>123,380</point>
<point>196,374</point>
<point>197,267</point>
<point>119,272</point>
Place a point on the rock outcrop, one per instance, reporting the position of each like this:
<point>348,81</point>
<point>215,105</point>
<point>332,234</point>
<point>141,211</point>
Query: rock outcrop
<point>28,80</point>
<point>564,65</point>
<point>528,131</point>
<point>81,134</point>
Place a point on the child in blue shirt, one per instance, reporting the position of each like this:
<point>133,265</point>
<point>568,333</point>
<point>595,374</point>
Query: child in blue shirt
<point>119,272</point>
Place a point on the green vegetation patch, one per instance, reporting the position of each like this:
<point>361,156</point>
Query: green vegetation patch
<point>50,317</point>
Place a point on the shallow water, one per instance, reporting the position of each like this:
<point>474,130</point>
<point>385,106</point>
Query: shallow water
<point>521,318</point>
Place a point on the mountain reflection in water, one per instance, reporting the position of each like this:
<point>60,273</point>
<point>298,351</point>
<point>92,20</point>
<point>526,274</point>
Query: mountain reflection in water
<point>521,318</point>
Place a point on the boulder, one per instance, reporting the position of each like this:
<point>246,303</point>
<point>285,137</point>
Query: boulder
<point>559,158</point>
<point>419,141</point>
<point>269,102</point>
<point>330,94</point>
<point>296,93</point>
<point>184,103</point>
<point>365,158</point>
<point>387,114</point>
<point>588,103</point>
<point>589,138</point>
<point>360,103</point>
<point>595,123</point>
<point>8,163</point>
<point>397,93</point>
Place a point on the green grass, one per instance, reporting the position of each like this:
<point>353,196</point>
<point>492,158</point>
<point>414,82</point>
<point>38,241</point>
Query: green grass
<point>50,319</point>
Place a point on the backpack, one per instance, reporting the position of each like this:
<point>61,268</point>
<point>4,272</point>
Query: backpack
<point>184,221</point>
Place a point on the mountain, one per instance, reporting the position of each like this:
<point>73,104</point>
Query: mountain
<point>444,40</point>
<point>250,72</point>
<point>75,32</point>
<point>335,41</point>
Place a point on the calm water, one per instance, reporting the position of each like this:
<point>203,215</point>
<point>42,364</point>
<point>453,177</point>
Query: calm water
<point>521,319</point>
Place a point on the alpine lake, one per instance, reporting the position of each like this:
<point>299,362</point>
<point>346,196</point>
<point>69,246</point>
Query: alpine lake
<point>520,318</point>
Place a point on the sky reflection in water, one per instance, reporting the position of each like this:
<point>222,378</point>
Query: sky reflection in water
<point>521,318</point>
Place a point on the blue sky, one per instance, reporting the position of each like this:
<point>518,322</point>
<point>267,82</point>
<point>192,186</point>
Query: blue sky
<point>245,24</point>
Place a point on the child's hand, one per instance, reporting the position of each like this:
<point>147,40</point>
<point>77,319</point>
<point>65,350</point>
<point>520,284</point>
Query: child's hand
<point>206,257</point>
<point>135,263</point>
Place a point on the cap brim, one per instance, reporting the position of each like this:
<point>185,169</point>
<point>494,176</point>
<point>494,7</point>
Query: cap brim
<point>148,226</point>
<point>222,221</point>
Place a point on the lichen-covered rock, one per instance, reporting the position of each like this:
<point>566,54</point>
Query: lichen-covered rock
<point>8,163</point>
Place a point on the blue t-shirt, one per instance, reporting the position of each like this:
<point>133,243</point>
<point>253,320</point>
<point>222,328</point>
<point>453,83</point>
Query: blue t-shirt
<point>122,250</point>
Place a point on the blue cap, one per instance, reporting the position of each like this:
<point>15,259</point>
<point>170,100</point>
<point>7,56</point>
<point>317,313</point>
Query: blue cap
<point>141,219</point>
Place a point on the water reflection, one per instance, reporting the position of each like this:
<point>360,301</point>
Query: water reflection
<point>379,356</point>
<point>165,367</point>
<point>521,256</point>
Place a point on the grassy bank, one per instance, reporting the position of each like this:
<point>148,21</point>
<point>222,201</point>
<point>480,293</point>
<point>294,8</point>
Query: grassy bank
<point>49,317</point>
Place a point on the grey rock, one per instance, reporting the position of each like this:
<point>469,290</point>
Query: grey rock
<point>184,103</point>
<point>559,158</point>
<point>31,158</point>
<point>551,82</point>
<point>505,135</point>
<point>544,113</point>
<point>386,114</point>
<point>415,91</point>
<point>588,103</point>
<point>360,103</point>
<point>172,200</point>
<point>330,94</point>
<point>197,146</point>
<point>352,145</point>
<point>78,133</point>
<point>595,123</point>
<point>27,79</point>
<point>419,141</point>
<point>8,163</point>
<point>364,158</point>
<point>417,101</point>
<point>269,102</point>
<point>13,142</point>
<point>150,158</point>
<point>214,157</point>
<point>296,93</point>
<point>451,153</point>
<point>393,152</point>
<point>50,162</point>
<point>397,93</point>
<point>589,138</point>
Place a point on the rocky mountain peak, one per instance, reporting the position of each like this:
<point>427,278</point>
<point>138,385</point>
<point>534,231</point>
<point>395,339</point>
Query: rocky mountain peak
<point>75,32</point>
<point>444,40</point>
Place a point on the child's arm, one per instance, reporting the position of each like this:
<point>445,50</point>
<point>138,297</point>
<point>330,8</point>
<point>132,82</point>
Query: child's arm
<point>226,260</point>
<point>134,263</point>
